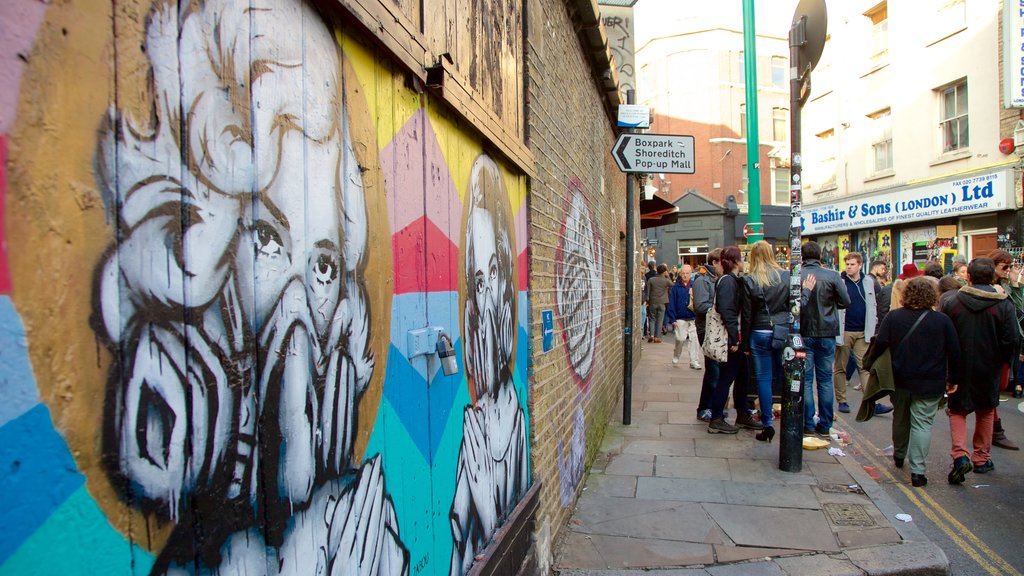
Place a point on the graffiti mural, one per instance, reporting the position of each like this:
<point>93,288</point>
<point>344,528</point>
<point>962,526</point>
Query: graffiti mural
<point>571,458</point>
<point>241,252</point>
<point>578,287</point>
<point>492,472</point>
<point>578,295</point>
<point>239,318</point>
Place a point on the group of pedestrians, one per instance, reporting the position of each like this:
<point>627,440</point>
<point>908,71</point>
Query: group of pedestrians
<point>972,335</point>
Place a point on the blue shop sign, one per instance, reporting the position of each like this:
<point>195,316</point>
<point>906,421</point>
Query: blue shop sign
<point>982,193</point>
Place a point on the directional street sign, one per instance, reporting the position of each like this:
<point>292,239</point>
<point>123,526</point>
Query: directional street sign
<point>663,153</point>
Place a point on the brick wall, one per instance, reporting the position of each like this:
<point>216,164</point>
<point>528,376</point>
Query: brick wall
<point>577,200</point>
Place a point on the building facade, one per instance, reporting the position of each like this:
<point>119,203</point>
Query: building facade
<point>691,73</point>
<point>902,133</point>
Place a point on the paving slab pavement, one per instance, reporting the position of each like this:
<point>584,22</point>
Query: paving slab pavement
<point>663,495</point>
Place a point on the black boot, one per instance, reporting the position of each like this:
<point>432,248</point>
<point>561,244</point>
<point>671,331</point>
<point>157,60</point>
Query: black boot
<point>999,437</point>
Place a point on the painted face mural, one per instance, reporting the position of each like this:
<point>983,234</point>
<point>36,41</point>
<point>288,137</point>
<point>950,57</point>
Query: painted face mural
<point>578,287</point>
<point>235,303</point>
<point>578,295</point>
<point>492,472</point>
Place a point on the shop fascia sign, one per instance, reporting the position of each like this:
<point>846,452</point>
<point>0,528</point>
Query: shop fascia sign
<point>982,193</point>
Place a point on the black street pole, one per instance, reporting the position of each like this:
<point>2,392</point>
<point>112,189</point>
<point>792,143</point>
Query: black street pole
<point>627,348</point>
<point>794,355</point>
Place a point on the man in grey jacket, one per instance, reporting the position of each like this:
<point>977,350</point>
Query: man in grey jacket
<point>857,327</point>
<point>703,299</point>
<point>819,327</point>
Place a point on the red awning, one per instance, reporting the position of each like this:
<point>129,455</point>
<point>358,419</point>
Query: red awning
<point>657,212</point>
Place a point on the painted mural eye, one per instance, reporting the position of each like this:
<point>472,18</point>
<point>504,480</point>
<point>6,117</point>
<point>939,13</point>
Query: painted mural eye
<point>480,283</point>
<point>326,269</point>
<point>268,241</point>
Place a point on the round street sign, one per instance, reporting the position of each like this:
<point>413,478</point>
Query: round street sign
<point>817,24</point>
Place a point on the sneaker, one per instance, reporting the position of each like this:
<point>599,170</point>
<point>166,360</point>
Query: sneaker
<point>720,426</point>
<point>918,480</point>
<point>882,409</point>
<point>704,415</point>
<point>845,408</point>
<point>808,432</point>
<point>822,433</point>
<point>675,360</point>
<point>961,466</point>
<point>988,466</point>
<point>695,366</point>
<point>897,460</point>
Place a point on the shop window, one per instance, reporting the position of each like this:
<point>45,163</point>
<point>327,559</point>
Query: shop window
<point>743,120</point>
<point>953,117</point>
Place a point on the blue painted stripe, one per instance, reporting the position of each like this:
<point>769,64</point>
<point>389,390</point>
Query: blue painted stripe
<point>77,539</point>
<point>17,384</point>
<point>38,475</point>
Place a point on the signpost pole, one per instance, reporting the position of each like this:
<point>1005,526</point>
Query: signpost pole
<point>627,350</point>
<point>794,355</point>
<point>806,41</point>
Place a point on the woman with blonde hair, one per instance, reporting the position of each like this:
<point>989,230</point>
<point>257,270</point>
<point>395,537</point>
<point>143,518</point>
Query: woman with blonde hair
<point>765,301</point>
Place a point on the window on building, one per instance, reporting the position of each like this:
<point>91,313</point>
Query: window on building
<point>826,168</point>
<point>743,120</point>
<point>780,185</point>
<point>737,68</point>
<point>881,140</point>
<point>780,130</point>
<point>879,16</point>
<point>947,18</point>
<point>778,72</point>
<point>953,116</point>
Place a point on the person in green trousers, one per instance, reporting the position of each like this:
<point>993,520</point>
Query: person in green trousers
<point>920,379</point>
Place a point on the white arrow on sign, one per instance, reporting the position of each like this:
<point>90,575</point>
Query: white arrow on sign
<point>663,153</point>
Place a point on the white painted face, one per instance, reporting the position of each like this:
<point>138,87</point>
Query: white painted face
<point>488,286</point>
<point>485,262</point>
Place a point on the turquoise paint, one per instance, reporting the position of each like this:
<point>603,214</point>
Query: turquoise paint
<point>77,539</point>
<point>38,476</point>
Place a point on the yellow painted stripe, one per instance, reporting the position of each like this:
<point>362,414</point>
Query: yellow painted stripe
<point>945,521</point>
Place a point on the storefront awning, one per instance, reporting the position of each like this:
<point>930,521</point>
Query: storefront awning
<point>657,212</point>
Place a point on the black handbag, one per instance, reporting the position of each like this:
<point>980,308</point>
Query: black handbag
<point>780,332</point>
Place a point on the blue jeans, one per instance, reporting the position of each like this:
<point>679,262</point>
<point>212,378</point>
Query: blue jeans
<point>821,354</point>
<point>767,367</point>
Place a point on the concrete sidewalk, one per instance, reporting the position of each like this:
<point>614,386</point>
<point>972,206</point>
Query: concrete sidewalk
<point>665,495</point>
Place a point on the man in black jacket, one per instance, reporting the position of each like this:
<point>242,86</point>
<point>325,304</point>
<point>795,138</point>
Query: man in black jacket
<point>986,324</point>
<point>819,326</point>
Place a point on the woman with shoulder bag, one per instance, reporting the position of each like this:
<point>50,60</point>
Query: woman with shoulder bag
<point>920,380</point>
<point>765,321</point>
<point>727,306</point>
